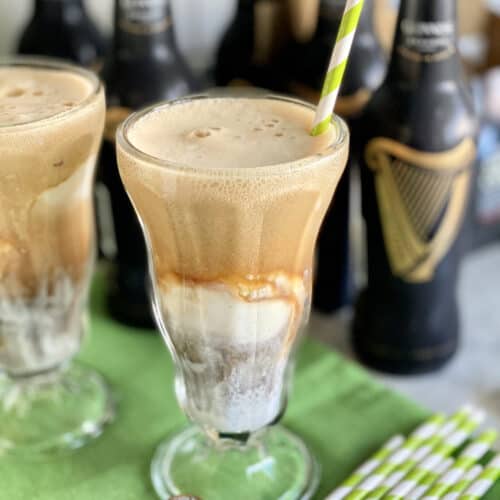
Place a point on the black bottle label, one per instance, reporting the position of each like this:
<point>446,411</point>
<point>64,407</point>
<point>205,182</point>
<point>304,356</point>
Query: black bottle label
<point>422,199</point>
<point>143,17</point>
<point>426,41</point>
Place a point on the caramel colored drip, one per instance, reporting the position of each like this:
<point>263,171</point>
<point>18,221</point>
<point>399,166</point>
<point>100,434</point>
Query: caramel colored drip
<point>294,289</point>
<point>277,285</point>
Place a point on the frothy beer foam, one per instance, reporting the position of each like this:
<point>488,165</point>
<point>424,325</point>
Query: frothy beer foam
<point>28,94</point>
<point>232,216</point>
<point>228,133</point>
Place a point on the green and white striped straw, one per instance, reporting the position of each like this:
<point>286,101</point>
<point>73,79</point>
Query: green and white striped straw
<point>470,456</point>
<point>484,482</point>
<point>442,452</point>
<point>414,441</point>
<point>337,66</point>
<point>400,472</point>
<point>427,481</point>
<point>367,468</point>
<point>462,484</point>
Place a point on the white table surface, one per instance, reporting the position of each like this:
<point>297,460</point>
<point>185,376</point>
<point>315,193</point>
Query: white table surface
<point>474,374</point>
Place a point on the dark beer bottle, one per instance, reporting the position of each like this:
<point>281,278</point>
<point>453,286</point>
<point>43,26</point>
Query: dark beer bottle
<point>364,74</point>
<point>62,28</point>
<point>235,52</point>
<point>255,36</point>
<point>419,148</point>
<point>145,66</point>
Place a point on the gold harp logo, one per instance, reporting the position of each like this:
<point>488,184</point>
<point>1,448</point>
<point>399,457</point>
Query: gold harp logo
<point>422,199</point>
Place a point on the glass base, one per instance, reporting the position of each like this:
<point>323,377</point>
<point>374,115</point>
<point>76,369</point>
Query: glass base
<point>273,464</point>
<point>53,412</point>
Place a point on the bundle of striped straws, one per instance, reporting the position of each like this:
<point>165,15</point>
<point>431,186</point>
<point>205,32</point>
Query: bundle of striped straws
<point>423,465</point>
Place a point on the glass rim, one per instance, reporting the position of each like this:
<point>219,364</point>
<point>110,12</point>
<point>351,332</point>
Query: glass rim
<point>43,62</point>
<point>122,140</point>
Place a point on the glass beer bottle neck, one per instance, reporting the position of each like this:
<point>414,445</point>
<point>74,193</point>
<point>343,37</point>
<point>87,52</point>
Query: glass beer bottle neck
<point>425,41</point>
<point>144,27</point>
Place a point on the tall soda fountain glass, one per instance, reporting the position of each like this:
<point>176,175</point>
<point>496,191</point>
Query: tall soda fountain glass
<point>51,121</point>
<point>231,192</point>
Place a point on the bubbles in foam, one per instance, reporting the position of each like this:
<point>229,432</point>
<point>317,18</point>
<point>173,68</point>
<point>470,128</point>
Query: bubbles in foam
<point>28,94</point>
<point>15,93</point>
<point>201,134</point>
<point>210,133</point>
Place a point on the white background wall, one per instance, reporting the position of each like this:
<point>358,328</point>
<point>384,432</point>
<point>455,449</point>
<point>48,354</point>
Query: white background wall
<point>198,35</point>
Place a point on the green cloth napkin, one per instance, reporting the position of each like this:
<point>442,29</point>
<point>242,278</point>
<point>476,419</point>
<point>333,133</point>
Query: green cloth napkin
<point>342,412</point>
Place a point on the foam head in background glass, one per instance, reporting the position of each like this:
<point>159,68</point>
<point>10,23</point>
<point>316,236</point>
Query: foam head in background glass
<point>230,255</point>
<point>47,159</point>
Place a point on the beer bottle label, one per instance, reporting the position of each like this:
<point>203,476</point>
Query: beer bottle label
<point>144,17</point>
<point>422,199</point>
<point>427,41</point>
<point>115,115</point>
